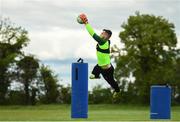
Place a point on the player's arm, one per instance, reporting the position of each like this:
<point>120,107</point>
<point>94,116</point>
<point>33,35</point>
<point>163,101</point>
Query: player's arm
<point>93,34</point>
<point>91,30</point>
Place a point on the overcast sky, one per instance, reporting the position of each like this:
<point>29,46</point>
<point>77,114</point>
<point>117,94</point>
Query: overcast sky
<point>55,34</point>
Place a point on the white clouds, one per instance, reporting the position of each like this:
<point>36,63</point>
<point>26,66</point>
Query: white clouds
<point>59,43</point>
<point>44,14</point>
<point>12,3</point>
<point>58,13</point>
<point>54,32</point>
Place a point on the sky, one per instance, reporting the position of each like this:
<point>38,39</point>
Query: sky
<point>58,40</point>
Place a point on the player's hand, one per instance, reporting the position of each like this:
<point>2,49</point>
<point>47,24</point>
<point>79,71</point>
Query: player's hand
<point>83,18</point>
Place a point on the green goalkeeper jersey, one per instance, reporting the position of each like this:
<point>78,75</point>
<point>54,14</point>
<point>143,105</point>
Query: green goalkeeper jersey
<point>103,47</point>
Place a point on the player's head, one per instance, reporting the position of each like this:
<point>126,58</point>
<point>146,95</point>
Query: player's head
<point>106,34</point>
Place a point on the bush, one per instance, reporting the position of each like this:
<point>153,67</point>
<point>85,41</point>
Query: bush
<point>16,98</point>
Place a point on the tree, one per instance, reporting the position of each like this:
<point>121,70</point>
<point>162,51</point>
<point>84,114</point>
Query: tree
<point>12,40</point>
<point>176,88</point>
<point>49,84</point>
<point>27,70</point>
<point>149,53</point>
<point>65,94</point>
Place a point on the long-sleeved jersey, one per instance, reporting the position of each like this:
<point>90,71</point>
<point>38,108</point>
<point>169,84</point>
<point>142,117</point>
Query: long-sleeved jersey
<point>103,47</point>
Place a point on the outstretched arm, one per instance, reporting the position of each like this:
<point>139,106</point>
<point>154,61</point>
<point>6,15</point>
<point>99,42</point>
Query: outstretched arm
<point>94,35</point>
<point>91,30</point>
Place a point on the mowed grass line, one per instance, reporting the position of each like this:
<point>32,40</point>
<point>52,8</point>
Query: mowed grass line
<point>96,113</point>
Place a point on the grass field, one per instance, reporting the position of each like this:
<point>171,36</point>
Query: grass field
<point>96,113</point>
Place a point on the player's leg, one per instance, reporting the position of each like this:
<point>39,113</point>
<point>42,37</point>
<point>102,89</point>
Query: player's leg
<point>108,75</point>
<point>96,72</point>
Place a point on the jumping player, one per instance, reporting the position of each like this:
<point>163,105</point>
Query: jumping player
<point>104,65</point>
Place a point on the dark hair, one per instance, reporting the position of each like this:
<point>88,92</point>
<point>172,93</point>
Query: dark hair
<point>108,31</point>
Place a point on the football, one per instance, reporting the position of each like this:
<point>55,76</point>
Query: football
<point>79,20</point>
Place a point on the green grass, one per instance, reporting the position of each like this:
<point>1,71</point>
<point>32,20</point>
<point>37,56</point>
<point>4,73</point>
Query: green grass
<point>96,112</point>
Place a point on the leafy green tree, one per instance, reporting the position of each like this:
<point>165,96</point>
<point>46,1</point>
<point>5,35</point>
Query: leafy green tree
<point>149,53</point>
<point>27,73</point>
<point>65,94</point>
<point>48,85</point>
<point>16,97</point>
<point>176,88</point>
<point>12,40</point>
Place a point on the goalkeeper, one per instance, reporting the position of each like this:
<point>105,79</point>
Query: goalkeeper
<point>104,65</point>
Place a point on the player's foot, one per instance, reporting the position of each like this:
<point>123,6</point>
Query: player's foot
<point>115,95</point>
<point>92,76</point>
